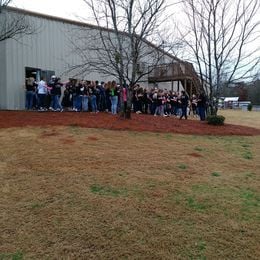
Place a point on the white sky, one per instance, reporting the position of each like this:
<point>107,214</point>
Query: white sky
<point>71,9</point>
<point>61,8</point>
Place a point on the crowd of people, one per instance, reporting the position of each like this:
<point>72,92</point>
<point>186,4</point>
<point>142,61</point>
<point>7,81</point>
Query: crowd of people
<point>168,103</point>
<point>94,96</point>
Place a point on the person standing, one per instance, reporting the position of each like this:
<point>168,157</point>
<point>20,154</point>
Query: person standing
<point>51,86</point>
<point>146,101</point>
<point>174,103</point>
<point>79,95</point>
<point>139,100</point>
<point>124,98</point>
<point>153,97</point>
<point>55,86</point>
<point>159,110</point>
<point>57,103</point>
<point>114,97</point>
<point>107,96</point>
<point>194,104</point>
<point>85,97</point>
<point>201,105</point>
<point>42,91</point>
<point>184,102</point>
<point>97,90</point>
<point>93,97</point>
<point>30,86</point>
<point>67,96</point>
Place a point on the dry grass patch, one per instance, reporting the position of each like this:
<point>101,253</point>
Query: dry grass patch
<point>239,117</point>
<point>119,195</point>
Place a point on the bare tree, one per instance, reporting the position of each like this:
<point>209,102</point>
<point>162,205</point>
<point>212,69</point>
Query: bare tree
<point>121,44</point>
<point>121,47</point>
<point>222,36</point>
<point>13,25</point>
<point>4,3</point>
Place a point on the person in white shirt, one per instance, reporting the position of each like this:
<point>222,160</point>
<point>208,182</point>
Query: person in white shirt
<point>42,91</point>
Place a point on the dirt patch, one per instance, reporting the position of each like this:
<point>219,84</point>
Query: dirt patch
<point>108,121</point>
<point>196,155</point>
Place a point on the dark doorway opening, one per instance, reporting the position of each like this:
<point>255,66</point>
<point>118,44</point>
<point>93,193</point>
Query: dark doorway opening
<point>37,73</point>
<point>32,72</point>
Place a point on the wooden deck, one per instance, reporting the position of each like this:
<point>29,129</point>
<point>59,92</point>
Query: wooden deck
<point>177,71</point>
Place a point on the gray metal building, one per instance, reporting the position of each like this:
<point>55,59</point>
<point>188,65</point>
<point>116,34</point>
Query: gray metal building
<point>44,53</point>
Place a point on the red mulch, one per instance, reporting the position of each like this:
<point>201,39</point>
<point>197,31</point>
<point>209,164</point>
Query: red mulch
<point>108,121</point>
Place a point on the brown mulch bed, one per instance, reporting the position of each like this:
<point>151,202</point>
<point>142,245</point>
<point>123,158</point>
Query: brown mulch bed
<point>108,121</point>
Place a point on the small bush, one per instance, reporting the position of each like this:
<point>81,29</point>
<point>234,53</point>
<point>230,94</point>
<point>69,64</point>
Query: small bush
<point>183,166</point>
<point>248,155</point>
<point>215,174</point>
<point>216,120</point>
<point>249,107</point>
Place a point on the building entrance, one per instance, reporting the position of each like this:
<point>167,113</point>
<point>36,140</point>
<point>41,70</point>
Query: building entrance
<point>37,73</point>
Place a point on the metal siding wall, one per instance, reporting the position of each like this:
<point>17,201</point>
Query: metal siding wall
<point>3,89</point>
<point>41,50</point>
<point>49,49</point>
<point>11,74</point>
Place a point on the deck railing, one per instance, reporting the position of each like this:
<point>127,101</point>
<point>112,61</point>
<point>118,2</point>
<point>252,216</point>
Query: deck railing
<point>172,71</point>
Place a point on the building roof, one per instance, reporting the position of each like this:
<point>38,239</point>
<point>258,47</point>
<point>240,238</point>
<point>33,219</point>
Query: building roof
<point>84,24</point>
<point>231,99</point>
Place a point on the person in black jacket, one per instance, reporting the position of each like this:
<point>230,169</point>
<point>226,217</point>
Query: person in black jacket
<point>67,96</point>
<point>174,103</point>
<point>55,86</point>
<point>201,105</point>
<point>30,86</point>
<point>79,88</point>
<point>184,102</point>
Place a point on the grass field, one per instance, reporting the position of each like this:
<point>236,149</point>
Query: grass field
<point>77,193</point>
<point>239,117</point>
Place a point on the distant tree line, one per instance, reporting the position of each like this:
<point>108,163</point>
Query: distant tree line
<point>246,91</point>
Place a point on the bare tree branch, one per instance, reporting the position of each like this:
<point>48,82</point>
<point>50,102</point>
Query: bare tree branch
<point>124,28</point>
<point>223,37</point>
<point>13,24</point>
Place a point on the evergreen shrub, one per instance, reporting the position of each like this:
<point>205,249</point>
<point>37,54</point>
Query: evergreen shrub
<point>249,107</point>
<point>215,120</point>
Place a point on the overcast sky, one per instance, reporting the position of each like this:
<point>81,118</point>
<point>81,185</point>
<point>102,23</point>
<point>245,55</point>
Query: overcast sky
<point>74,9</point>
<point>62,8</point>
